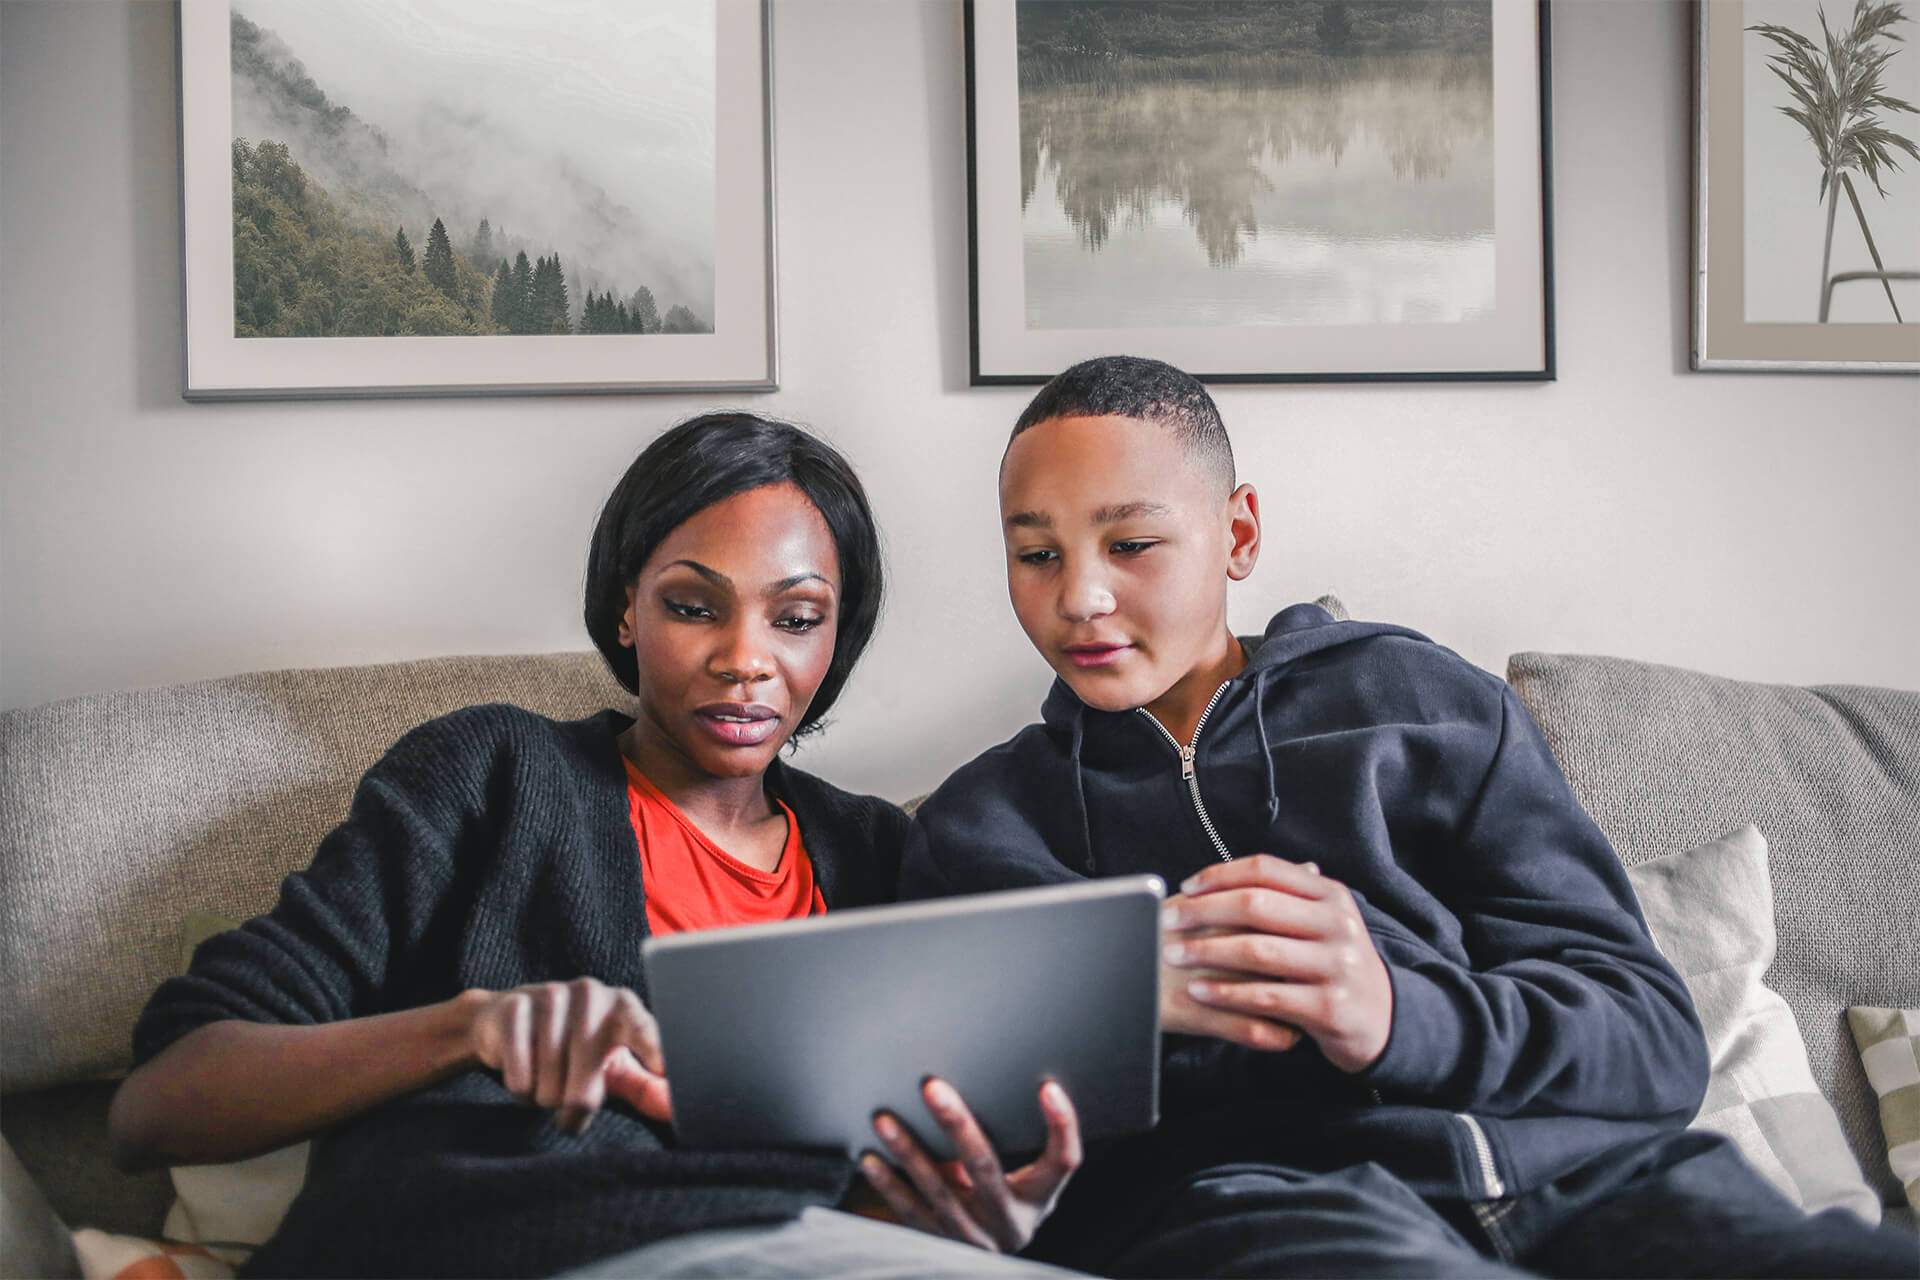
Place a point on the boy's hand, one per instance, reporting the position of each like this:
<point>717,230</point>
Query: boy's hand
<point>568,1045</point>
<point>972,1198</point>
<point>1271,950</point>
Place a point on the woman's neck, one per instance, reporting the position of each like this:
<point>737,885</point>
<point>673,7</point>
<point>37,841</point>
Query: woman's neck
<point>716,805</point>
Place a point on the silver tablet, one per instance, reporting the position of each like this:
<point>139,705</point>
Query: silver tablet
<point>796,1033</point>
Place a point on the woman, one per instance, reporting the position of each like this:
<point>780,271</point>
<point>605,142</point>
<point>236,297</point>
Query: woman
<point>468,941</point>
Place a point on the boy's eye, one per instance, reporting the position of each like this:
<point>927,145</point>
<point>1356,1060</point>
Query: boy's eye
<point>1131,546</point>
<point>681,609</point>
<point>1038,557</point>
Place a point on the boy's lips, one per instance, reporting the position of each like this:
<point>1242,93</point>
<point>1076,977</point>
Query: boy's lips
<point>1095,655</point>
<point>739,724</point>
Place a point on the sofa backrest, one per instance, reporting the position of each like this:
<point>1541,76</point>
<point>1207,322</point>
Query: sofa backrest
<point>1667,759</point>
<point>121,813</point>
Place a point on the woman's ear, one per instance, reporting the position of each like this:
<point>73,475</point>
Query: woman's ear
<point>1243,529</point>
<point>628,624</point>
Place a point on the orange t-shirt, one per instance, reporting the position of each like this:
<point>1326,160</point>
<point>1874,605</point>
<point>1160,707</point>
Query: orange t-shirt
<point>691,883</point>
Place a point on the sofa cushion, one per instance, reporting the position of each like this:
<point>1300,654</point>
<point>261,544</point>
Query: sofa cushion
<point>1666,759</point>
<point>1889,1041</point>
<point>120,812</point>
<point>1710,911</point>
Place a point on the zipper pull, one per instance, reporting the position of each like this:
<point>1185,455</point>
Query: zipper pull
<point>1186,763</point>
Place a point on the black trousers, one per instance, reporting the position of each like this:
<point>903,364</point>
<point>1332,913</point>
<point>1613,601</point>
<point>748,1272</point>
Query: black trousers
<point>1683,1204</point>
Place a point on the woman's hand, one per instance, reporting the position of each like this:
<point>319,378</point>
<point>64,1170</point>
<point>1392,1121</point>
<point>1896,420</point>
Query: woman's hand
<point>972,1198</point>
<point>567,1045</point>
<point>1296,955</point>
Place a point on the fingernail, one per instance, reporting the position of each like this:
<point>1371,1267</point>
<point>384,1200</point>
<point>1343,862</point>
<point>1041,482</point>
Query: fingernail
<point>941,1095</point>
<point>1190,885</point>
<point>870,1163</point>
<point>1199,989</point>
<point>1170,916</point>
<point>1312,866</point>
<point>1176,953</point>
<point>887,1128</point>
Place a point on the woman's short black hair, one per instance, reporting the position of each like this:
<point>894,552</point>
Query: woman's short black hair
<point>705,460</point>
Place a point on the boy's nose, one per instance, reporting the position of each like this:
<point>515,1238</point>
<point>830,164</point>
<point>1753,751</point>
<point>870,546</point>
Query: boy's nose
<point>1084,597</point>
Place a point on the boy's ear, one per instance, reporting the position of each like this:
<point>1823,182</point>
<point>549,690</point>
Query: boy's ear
<point>1243,527</point>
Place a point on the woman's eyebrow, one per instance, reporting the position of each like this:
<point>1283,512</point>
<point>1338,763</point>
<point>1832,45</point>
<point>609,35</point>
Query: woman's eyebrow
<point>788,584</point>
<point>714,576</point>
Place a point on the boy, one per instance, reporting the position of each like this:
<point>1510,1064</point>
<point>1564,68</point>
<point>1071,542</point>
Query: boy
<point>1415,1025</point>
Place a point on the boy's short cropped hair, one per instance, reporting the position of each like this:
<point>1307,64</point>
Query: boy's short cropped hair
<point>1136,387</point>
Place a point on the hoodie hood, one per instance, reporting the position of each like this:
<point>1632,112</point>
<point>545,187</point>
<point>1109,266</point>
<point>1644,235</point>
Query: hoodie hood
<point>1296,633</point>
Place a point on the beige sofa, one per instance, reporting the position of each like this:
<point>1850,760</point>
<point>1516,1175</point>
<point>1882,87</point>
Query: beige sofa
<point>123,814</point>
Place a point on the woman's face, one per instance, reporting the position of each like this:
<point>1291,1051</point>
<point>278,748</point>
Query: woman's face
<point>732,621</point>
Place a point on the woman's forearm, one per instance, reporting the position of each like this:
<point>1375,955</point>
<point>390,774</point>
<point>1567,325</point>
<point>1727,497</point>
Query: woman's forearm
<point>234,1089</point>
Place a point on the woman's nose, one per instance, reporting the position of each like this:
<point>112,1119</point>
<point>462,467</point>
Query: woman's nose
<point>741,658</point>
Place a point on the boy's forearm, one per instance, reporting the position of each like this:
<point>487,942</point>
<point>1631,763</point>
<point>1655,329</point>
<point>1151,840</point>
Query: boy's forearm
<point>234,1089</point>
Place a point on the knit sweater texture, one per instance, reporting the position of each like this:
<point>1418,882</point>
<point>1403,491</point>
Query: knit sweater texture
<point>492,848</point>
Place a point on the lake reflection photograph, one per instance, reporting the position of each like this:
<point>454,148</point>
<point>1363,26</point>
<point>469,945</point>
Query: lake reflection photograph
<point>1214,163</point>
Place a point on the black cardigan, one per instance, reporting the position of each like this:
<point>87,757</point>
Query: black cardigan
<point>490,848</point>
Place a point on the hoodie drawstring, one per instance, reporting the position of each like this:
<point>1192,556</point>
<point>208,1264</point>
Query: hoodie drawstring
<point>1080,794</point>
<point>1266,748</point>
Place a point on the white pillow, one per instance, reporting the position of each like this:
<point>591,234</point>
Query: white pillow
<point>1710,911</point>
<point>232,1208</point>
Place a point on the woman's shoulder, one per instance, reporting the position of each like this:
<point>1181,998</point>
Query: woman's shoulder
<point>480,738</point>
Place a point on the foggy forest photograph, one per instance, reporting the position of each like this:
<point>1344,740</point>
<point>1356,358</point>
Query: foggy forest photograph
<point>472,167</point>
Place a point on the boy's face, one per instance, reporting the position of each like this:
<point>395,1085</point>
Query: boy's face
<point>1118,554</point>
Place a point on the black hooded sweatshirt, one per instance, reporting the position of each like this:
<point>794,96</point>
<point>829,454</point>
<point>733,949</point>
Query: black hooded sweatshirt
<point>1534,1023</point>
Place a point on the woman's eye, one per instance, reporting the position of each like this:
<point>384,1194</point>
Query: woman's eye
<point>1037,557</point>
<point>803,623</point>
<point>1131,546</point>
<point>682,610</point>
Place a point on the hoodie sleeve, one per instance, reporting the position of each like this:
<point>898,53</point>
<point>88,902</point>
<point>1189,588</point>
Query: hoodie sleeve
<point>1566,1007</point>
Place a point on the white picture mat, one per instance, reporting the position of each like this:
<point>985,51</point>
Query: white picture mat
<point>1512,340</point>
<point>739,355</point>
<point>1723,340</point>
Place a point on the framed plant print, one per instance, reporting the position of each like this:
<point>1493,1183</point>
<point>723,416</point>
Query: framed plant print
<point>1807,186</point>
<point>444,197</point>
<point>1261,190</point>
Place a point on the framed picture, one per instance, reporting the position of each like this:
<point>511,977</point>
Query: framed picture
<point>1807,186</point>
<point>438,197</point>
<point>1261,190</point>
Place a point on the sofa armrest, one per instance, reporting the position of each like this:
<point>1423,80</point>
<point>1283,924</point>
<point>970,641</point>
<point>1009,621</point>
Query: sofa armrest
<point>33,1240</point>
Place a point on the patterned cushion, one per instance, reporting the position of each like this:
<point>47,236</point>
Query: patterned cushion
<point>1666,759</point>
<point>1710,910</point>
<point>1889,1041</point>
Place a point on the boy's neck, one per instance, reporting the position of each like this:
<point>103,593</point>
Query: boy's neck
<point>1179,709</point>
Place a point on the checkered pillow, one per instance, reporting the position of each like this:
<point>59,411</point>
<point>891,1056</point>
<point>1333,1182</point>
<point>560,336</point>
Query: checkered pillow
<point>1710,911</point>
<point>1889,1041</point>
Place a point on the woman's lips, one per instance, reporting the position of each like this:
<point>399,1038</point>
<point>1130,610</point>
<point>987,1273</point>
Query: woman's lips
<point>736,724</point>
<point>1095,655</point>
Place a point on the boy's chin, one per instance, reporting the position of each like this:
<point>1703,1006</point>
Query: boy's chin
<point>1106,693</point>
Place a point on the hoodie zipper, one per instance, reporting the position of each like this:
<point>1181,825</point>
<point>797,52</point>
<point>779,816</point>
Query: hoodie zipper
<point>1187,772</point>
<point>1483,1151</point>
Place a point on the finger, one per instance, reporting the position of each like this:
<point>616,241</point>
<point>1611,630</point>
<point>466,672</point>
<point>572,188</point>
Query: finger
<point>1040,1182</point>
<point>638,1031</point>
<point>943,1203</point>
<point>1261,909</point>
<point>1200,1019</point>
<point>979,1165</point>
<point>1302,1005</point>
<point>588,1025</point>
<point>1253,956</point>
<point>638,1087</point>
<point>1302,878</point>
<point>549,1045</point>
<point>516,1045</point>
<point>907,1207</point>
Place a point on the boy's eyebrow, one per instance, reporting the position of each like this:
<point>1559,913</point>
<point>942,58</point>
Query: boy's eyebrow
<point>1029,520</point>
<point>1130,511</point>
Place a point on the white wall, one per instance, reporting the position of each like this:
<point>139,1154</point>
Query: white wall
<point>1756,526</point>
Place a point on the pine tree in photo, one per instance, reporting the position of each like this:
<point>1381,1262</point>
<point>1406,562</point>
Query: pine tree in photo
<point>681,319</point>
<point>520,300</point>
<point>646,313</point>
<point>501,305</point>
<point>402,247</point>
<point>549,297</point>
<point>482,254</point>
<point>438,266</point>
